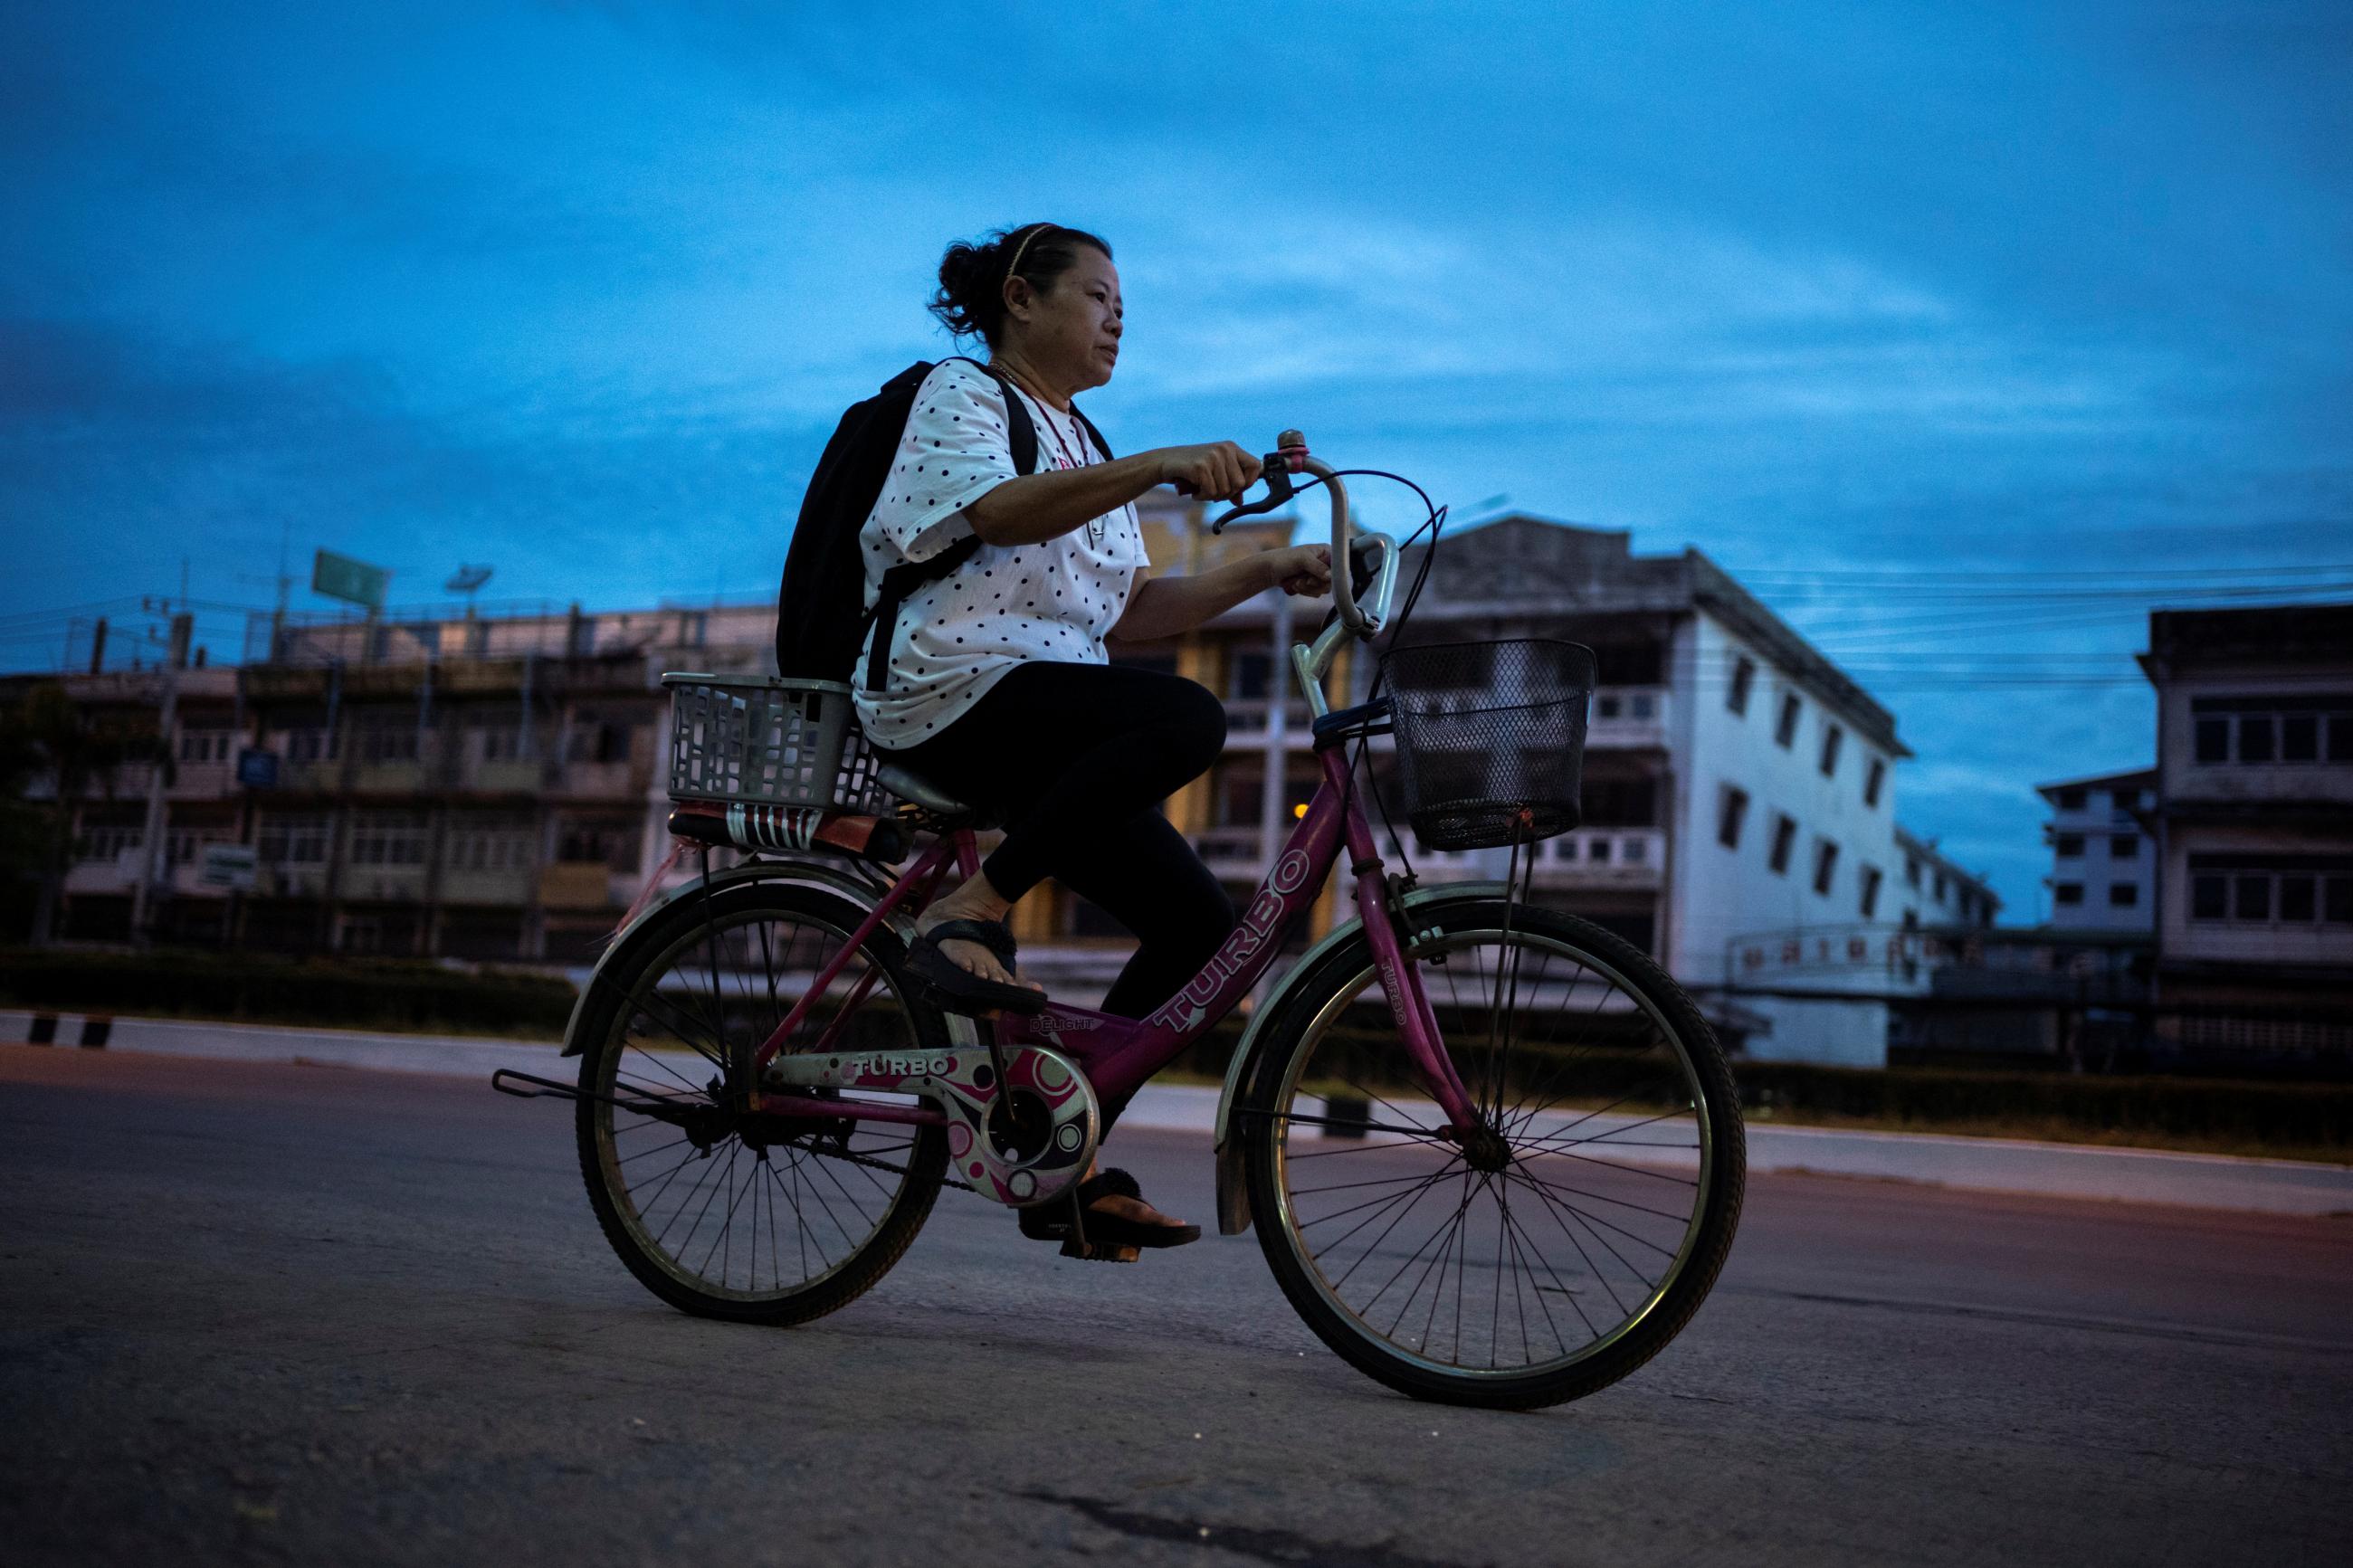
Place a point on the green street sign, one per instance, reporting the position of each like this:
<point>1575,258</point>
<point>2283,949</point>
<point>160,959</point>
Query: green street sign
<point>354,582</point>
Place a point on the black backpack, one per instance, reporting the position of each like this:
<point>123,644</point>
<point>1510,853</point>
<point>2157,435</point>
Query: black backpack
<point>819,620</point>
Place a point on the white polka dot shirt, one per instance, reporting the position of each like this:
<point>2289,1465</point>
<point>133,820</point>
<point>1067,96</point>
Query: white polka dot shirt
<point>958,637</point>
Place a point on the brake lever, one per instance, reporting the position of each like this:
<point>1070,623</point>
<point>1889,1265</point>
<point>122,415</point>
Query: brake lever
<point>1275,469</point>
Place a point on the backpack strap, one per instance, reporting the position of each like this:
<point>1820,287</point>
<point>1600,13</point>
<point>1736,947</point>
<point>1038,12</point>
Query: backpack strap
<point>1096,436</point>
<point>899,583</point>
<point>1020,429</point>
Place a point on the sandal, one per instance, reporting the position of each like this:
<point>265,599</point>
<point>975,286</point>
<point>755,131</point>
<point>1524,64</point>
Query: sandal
<point>1104,1238</point>
<point>951,987</point>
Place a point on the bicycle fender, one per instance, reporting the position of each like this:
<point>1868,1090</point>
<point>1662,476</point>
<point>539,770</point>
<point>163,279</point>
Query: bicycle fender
<point>812,873</point>
<point>1233,1196</point>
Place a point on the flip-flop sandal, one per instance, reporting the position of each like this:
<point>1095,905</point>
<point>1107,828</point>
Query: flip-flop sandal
<point>951,987</point>
<point>1110,1239</point>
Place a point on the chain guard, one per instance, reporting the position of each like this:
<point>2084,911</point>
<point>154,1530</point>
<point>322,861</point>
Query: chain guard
<point>1045,1100</point>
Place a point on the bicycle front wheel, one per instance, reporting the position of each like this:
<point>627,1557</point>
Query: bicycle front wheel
<point>1541,1263</point>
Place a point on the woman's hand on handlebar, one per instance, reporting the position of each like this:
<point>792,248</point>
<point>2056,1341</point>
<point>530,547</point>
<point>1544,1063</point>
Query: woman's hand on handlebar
<point>1303,571</point>
<point>1219,470</point>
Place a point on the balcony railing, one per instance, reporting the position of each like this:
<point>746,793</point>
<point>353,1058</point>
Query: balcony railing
<point>1619,717</point>
<point>1248,716</point>
<point>1613,857</point>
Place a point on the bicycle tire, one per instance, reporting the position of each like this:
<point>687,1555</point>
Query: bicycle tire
<point>1265,1125</point>
<point>676,932</point>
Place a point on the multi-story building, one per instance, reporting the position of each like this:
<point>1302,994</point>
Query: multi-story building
<point>2102,861</point>
<point>491,788</point>
<point>2255,806</point>
<point>1738,793</point>
<point>1938,893</point>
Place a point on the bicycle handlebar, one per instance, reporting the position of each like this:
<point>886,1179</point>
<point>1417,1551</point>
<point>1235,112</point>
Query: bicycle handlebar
<point>1291,457</point>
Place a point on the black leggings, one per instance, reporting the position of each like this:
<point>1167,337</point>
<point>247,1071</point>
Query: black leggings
<point>1076,759</point>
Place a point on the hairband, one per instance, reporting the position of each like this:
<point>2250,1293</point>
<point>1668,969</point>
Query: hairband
<point>1022,250</point>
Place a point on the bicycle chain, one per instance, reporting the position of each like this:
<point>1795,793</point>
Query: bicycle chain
<point>867,1160</point>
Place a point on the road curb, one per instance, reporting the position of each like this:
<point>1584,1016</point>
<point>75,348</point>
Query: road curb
<point>1979,1165</point>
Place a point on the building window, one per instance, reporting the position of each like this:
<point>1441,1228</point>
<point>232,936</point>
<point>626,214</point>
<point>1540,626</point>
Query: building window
<point>313,746</point>
<point>291,841</point>
<point>2073,799</point>
<point>389,838</point>
<point>1873,779</point>
<point>2125,799</point>
<point>1941,886</point>
<point>1785,729</point>
<point>1730,815</point>
<point>2070,846</point>
<point>1911,872</point>
<point>2273,729</point>
<point>1825,864</point>
<point>499,742</point>
<point>1869,878</point>
<point>612,843</point>
<point>2123,845</point>
<point>2067,894</point>
<point>106,843</point>
<point>2267,889</point>
<point>388,743</point>
<point>2210,898</point>
<point>493,846</point>
<point>1251,676</point>
<point>1832,738</point>
<point>1620,803</point>
<point>1743,677</point>
<point>2124,895</point>
<point>1785,838</point>
<point>599,737</point>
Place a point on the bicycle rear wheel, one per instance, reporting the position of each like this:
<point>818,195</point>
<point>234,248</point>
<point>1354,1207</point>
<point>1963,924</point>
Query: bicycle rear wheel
<point>722,1214</point>
<point>1562,1253</point>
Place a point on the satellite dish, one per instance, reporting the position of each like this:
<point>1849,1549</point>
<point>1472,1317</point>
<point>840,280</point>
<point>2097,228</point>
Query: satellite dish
<point>467,580</point>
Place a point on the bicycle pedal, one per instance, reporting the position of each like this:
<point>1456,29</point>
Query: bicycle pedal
<point>1100,1251</point>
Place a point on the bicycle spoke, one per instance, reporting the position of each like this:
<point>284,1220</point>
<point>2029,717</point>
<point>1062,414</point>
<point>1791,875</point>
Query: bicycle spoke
<point>1479,1283</point>
<point>714,1216</point>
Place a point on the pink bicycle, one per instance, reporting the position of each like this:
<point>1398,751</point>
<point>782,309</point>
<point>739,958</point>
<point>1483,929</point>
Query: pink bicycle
<point>1493,1152</point>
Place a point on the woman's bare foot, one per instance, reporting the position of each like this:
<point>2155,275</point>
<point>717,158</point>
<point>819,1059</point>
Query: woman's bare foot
<point>975,901</point>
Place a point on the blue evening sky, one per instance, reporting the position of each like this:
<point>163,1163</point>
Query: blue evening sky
<point>1904,313</point>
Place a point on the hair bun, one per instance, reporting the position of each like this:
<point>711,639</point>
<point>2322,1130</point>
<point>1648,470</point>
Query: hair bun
<point>971,297</point>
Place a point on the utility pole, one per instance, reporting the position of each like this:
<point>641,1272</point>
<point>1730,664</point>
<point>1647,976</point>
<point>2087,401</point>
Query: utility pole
<point>154,865</point>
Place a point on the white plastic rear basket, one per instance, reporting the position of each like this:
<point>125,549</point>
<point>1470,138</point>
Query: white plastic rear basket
<point>769,742</point>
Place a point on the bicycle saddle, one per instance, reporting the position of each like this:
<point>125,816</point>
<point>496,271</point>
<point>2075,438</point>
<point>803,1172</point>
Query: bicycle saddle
<point>916,790</point>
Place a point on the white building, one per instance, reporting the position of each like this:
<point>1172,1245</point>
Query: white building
<point>1742,787</point>
<point>2103,860</point>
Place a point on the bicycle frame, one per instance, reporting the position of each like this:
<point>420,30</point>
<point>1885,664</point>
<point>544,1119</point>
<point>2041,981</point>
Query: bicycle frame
<point>1119,1055</point>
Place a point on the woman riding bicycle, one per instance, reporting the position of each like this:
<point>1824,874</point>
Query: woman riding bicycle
<point>999,687</point>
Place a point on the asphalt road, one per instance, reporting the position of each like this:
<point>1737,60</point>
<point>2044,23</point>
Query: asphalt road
<point>296,1315</point>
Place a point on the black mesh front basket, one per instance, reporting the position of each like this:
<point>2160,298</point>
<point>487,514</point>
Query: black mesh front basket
<point>1489,738</point>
